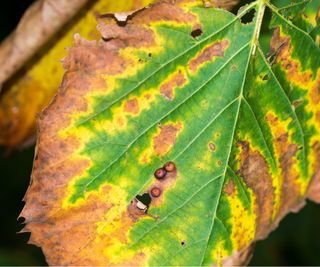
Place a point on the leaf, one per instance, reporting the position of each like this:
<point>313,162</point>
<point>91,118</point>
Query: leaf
<point>304,14</point>
<point>31,90</point>
<point>43,19</point>
<point>185,86</point>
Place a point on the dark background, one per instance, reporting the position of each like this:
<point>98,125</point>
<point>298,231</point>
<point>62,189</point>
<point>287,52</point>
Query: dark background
<point>295,242</point>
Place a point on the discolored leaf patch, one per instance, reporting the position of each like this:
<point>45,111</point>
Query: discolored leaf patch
<point>175,149</point>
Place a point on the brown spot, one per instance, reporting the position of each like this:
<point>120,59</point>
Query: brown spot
<point>229,188</point>
<point>169,166</point>
<point>166,138</point>
<point>177,80</point>
<point>212,146</point>
<point>163,185</point>
<point>160,173</point>
<point>132,106</point>
<point>255,173</point>
<point>207,54</point>
<point>155,192</point>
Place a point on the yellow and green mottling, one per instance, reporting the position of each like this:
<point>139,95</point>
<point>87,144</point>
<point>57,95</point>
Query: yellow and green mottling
<point>243,221</point>
<point>219,252</point>
<point>235,98</point>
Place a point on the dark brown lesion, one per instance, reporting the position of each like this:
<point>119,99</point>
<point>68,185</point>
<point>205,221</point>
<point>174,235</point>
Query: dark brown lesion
<point>216,49</point>
<point>167,88</point>
<point>255,173</point>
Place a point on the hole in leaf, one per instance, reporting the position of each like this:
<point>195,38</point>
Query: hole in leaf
<point>144,199</point>
<point>264,77</point>
<point>149,54</point>
<point>248,17</point>
<point>106,39</point>
<point>122,23</point>
<point>183,243</point>
<point>195,33</point>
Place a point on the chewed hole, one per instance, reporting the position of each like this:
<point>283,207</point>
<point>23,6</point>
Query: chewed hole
<point>264,77</point>
<point>248,17</point>
<point>195,33</point>
<point>144,199</point>
<point>122,23</point>
<point>107,39</point>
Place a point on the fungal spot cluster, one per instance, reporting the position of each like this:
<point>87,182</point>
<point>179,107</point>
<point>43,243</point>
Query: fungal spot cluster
<point>164,177</point>
<point>162,172</point>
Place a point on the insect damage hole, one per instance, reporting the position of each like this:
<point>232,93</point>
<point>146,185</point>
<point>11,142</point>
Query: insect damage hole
<point>264,77</point>
<point>248,17</point>
<point>195,33</point>
<point>143,201</point>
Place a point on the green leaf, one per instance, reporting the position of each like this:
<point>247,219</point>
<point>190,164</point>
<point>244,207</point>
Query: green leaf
<point>188,85</point>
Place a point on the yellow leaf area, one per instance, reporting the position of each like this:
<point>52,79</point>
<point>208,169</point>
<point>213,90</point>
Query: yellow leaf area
<point>31,91</point>
<point>306,80</point>
<point>242,218</point>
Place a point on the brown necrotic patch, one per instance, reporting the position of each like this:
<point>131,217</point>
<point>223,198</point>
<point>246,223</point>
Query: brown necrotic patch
<point>74,231</point>
<point>178,79</point>
<point>255,173</point>
<point>131,35</point>
<point>211,51</point>
<point>281,48</point>
<point>285,151</point>
<point>229,187</point>
<point>132,106</point>
<point>166,138</point>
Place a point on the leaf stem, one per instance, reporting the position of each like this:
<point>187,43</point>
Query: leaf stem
<point>259,18</point>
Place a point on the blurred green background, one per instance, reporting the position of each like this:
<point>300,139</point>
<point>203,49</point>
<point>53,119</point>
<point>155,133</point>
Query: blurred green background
<point>295,242</point>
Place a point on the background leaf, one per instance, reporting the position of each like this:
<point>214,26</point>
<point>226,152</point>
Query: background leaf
<point>29,91</point>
